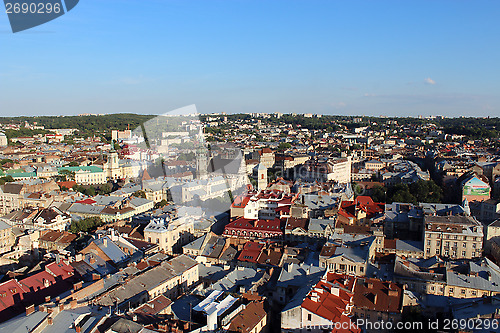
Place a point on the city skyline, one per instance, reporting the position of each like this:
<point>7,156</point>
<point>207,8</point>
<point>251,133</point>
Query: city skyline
<point>362,58</point>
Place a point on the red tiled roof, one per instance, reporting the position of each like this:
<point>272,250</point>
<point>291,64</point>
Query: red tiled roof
<point>365,203</point>
<point>322,302</point>
<point>87,201</point>
<point>374,294</point>
<point>60,269</point>
<point>240,201</point>
<point>11,292</point>
<point>38,281</point>
<point>248,318</point>
<point>67,184</point>
<point>250,252</point>
<point>241,223</point>
<point>293,223</point>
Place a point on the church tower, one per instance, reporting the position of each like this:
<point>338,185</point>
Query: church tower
<point>201,164</point>
<point>261,177</point>
<point>113,165</point>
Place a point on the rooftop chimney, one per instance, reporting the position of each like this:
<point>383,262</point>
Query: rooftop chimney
<point>393,293</point>
<point>30,309</point>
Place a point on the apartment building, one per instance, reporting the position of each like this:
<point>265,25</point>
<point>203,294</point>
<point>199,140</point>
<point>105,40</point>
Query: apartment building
<point>171,278</point>
<point>170,234</point>
<point>322,307</point>
<point>265,156</point>
<point>348,254</point>
<point>338,170</point>
<point>7,238</point>
<point>375,300</point>
<point>454,237</point>
<point>263,205</point>
<point>434,276</point>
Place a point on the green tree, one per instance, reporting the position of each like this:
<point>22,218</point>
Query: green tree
<point>105,189</point>
<point>379,194</point>
<point>72,164</point>
<point>161,204</point>
<point>400,193</point>
<point>86,225</point>
<point>90,191</point>
<point>426,191</point>
<point>284,146</point>
<point>139,194</point>
<point>66,175</point>
<point>6,179</point>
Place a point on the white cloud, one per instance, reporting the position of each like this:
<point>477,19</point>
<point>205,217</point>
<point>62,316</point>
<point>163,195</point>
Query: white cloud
<point>339,105</point>
<point>430,81</point>
<point>370,95</point>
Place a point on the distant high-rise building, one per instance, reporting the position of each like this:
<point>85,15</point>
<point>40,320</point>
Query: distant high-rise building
<point>3,140</point>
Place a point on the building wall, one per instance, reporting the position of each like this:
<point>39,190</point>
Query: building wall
<point>340,265</point>
<point>3,140</point>
<point>9,202</point>
<point>90,178</point>
<point>373,316</point>
<point>171,241</point>
<point>495,251</point>
<point>311,322</point>
<point>7,240</point>
<point>491,232</point>
<point>441,288</point>
<point>453,245</point>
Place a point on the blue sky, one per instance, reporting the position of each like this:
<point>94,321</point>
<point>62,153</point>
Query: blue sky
<point>395,58</point>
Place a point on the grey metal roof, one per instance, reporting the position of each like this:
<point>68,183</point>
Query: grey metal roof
<point>62,322</point>
<point>242,276</point>
<point>407,245</point>
<point>23,323</point>
<point>229,254</point>
<point>123,325</point>
<point>488,276</point>
<point>358,254</point>
<point>298,275</point>
<point>219,187</point>
<point>85,209</point>
<point>110,249</point>
<point>4,225</point>
<point>314,201</point>
<point>196,244</point>
<point>148,280</point>
<point>319,225</point>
